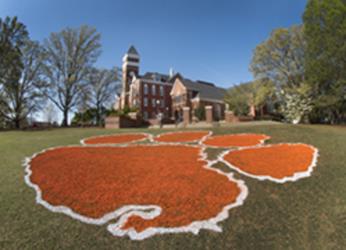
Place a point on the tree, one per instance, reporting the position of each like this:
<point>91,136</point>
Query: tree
<point>88,117</point>
<point>325,34</point>
<point>262,91</point>
<point>281,57</point>
<point>296,104</point>
<point>257,93</point>
<point>13,35</point>
<point>21,80</point>
<point>70,55</point>
<point>200,113</point>
<point>102,86</point>
<point>49,113</point>
<point>238,99</point>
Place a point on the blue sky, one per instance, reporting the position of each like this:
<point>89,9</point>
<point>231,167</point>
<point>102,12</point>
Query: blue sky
<point>207,40</point>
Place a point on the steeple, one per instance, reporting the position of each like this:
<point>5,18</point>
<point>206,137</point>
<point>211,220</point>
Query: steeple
<point>132,50</point>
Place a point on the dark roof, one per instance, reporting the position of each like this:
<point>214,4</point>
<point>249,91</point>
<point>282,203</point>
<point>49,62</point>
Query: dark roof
<point>132,50</point>
<point>155,76</point>
<point>205,90</point>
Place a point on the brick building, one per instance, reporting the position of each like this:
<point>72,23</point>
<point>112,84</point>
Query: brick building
<point>153,93</point>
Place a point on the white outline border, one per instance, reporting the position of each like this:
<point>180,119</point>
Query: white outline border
<point>209,133</point>
<point>123,213</point>
<point>296,176</point>
<point>261,142</point>
<point>148,137</point>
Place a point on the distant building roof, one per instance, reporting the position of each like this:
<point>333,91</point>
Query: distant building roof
<point>206,90</point>
<point>132,50</point>
<point>154,76</point>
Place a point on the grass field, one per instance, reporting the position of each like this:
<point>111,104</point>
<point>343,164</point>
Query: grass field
<point>307,214</point>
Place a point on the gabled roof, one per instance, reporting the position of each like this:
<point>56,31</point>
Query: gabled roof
<point>206,90</point>
<point>132,50</point>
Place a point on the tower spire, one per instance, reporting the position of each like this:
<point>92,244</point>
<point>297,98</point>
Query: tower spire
<point>132,51</point>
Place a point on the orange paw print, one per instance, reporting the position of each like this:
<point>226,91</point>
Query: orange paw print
<point>141,185</point>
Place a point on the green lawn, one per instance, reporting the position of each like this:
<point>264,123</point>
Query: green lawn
<point>307,214</point>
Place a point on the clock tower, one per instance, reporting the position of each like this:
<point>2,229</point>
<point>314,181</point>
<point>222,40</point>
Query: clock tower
<point>130,69</point>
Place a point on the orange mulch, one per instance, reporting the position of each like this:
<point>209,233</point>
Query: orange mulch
<point>235,140</point>
<point>188,136</point>
<point>277,161</point>
<point>93,181</point>
<point>115,139</point>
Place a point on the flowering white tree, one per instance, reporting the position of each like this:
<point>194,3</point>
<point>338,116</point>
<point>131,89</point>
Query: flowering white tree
<point>296,105</point>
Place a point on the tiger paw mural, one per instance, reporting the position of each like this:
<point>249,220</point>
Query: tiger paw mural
<point>162,185</point>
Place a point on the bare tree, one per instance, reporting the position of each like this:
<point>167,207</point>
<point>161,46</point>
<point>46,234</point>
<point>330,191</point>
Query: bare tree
<point>21,94</point>
<point>49,113</point>
<point>70,55</point>
<point>102,86</point>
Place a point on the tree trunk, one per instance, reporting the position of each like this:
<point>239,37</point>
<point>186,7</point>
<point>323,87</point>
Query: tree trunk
<point>98,119</point>
<point>98,115</point>
<point>17,123</point>
<point>65,119</point>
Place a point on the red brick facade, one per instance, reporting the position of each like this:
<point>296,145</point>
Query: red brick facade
<point>155,98</point>
<point>154,93</point>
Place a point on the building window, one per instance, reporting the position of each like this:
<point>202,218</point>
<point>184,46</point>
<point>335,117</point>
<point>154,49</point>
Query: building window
<point>153,89</point>
<point>145,102</point>
<point>161,90</point>
<point>162,103</point>
<point>153,103</point>
<point>145,115</point>
<point>145,89</point>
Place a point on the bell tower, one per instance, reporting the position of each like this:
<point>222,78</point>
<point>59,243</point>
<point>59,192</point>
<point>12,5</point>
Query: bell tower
<point>130,69</point>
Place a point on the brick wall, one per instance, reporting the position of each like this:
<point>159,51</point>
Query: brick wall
<point>152,107</point>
